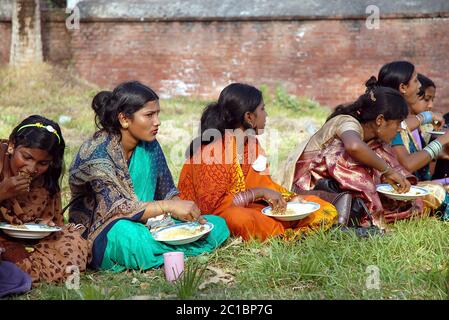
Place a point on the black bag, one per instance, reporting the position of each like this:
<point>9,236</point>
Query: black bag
<point>352,213</point>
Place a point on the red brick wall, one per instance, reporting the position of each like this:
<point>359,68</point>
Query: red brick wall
<point>5,41</point>
<point>56,42</point>
<point>327,60</point>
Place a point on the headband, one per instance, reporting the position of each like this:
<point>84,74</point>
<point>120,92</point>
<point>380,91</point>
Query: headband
<point>49,128</point>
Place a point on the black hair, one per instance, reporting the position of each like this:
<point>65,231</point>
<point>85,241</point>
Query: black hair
<point>446,117</point>
<point>394,73</point>
<point>41,138</point>
<point>375,101</point>
<point>425,83</point>
<point>127,97</point>
<point>229,111</point>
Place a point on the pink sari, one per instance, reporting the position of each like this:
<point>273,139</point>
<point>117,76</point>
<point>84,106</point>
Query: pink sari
<point>332,162</point>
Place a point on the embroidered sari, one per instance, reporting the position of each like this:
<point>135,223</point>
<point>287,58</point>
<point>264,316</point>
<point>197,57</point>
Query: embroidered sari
<point>52,258</point>
<point>333,162</point>
<point>213,183</point>
<point>111,197</point>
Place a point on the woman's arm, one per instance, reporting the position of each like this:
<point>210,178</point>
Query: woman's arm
<point>414,121</point>
<point>179,209</point>
<point>361,152</point>
<point>411,162</point>
<point>416,160</point>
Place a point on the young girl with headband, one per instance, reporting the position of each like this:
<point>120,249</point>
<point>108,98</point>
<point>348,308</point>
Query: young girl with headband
<point>31,165</point>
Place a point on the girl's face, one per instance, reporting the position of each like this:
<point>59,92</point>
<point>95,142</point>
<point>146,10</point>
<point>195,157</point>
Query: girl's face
<point>388,129</point>
<point>429,96</point>
<point>31,161</point>
<point>260,117</point>
<point>424,103</point>
<point>411,90</point>
<point>144,124</point>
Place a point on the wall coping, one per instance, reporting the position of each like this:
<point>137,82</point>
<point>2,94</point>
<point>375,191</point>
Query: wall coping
<point>237,10</point>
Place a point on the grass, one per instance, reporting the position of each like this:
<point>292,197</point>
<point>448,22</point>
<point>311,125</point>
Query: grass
<point>411,260</point>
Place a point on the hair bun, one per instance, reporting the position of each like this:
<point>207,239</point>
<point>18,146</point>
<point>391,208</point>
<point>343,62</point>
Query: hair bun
<point>100,101</point>
<point>371,83</point>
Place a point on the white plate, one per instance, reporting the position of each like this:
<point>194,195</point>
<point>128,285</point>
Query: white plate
<point>168,234</point>
<point>302,210</point>
<point>414,192</point>
<point>437,133</point>
<point>28,230</point>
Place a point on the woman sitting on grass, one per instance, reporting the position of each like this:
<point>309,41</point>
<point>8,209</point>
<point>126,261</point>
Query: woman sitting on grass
<point>31,164</point>
<point>120,180</point>
<point>351,149</point>
<point>229,176</point>
<point>415,153</point>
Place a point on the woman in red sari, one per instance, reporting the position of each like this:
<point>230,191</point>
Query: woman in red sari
<point>229,176</point>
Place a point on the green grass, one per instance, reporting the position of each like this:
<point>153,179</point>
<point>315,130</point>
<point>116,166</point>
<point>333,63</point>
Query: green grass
<point>411,259</point>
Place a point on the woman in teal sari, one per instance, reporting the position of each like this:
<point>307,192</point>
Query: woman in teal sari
<point>122,188</point>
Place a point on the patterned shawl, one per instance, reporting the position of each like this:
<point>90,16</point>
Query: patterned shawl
<point>102,187</point>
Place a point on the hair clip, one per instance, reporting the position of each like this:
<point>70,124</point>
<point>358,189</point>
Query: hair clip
<point>49,128</point>
<point>372,95</point>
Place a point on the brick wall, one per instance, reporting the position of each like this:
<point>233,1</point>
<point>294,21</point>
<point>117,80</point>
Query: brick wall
<point>5,41</point>
<point>327,60</point>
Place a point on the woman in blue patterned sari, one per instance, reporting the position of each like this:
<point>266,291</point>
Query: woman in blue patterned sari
<point>120,180</point>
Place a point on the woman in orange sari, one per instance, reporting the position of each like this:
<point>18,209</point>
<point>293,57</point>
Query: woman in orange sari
<point>229,176</point>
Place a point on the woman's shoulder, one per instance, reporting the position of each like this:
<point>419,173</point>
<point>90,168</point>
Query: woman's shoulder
<point>344,118</point>
<point>99,146</point>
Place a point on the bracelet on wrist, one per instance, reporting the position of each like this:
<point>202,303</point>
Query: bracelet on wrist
<point>387,168</point>
<point>434,149</point>
<point>160,207</point>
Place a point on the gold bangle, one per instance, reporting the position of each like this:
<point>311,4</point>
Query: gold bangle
<point>387,168</point>
<point>160,207</point>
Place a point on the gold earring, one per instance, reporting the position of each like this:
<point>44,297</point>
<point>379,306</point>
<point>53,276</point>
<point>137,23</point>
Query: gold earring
<point>125,126</point>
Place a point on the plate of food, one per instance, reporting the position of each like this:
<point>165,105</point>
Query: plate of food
<point>182,233</point>
<point>437,133</point>
<point>414,192</point>
<point>295,211</point>
<point>28,230</point>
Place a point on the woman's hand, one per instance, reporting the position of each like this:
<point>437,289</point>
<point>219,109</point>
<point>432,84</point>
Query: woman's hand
<point>298,198</point>
<point>437,120</point>
<point>13,186</point>
<point>184,210</point>
<point>397,181</point>
<point>444,139</point>
<point>274,198</point>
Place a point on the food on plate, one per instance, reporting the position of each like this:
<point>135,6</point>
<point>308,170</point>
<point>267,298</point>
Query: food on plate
<point>411,192</point>
<point>18,226</point>
<point>283,212</point>
<point>175,233</point>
